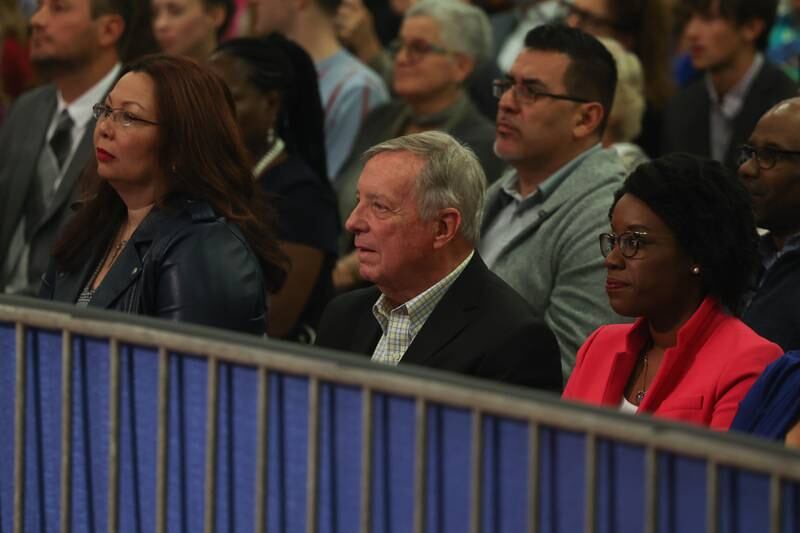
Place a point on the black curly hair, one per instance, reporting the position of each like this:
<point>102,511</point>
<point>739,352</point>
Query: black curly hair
<point>708,210</point>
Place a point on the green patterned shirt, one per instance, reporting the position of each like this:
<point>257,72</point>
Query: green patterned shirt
<point>401,324</point>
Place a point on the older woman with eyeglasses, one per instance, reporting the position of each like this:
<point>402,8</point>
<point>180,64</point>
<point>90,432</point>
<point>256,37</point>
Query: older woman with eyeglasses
<point>439,45</point>
<point>680,254</point>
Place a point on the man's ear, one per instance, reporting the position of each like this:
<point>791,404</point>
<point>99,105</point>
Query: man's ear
<point>752,29</point>
<point>110,28</point>
<point>587,119</point>
<point>448,222</point>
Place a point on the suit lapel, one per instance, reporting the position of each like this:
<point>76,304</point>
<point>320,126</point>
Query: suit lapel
<point>68,286</point>
<point>125,270</point>
<point>454,312</point>
<point>24,170</point>
<point>367,330</point>
<point>621,368</point>
<point>691,338</point>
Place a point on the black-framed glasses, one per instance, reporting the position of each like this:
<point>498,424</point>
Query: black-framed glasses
<point>416,49</point>
<point>628,242</point>
<point>528,92</point>
<point>766,157</point>
<point>120,116</point>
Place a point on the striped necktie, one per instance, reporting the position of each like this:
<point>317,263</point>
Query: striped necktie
<point>61,141</point>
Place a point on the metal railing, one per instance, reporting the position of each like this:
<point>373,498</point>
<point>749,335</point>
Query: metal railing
<point>537,411</point>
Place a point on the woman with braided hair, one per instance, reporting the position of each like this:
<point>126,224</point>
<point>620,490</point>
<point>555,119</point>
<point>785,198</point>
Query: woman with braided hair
<point>274,85</point>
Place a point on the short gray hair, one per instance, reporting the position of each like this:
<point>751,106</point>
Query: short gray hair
<point>452,176</point>
<point>464,28</point>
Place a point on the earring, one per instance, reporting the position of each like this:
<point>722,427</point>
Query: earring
<point>695,270</point>
<point>270,136</point>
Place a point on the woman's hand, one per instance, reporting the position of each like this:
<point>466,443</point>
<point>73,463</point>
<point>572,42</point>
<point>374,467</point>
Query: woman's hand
<point>356,29</point>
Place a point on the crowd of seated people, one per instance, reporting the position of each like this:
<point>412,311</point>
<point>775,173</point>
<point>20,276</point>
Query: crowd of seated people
<point>241,181</point>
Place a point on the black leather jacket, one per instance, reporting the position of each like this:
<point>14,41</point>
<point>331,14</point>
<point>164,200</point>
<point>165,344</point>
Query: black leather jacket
<point>183,264</point>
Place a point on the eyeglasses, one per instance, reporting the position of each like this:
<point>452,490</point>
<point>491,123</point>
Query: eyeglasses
<point>765,157</point>
<point>120,116</point>
<point>415,49</point>
<point>586,19</point>
<point>528,93</point>
<point>628,242</point>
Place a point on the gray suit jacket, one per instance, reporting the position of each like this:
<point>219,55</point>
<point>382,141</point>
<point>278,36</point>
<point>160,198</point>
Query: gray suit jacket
<point>22,138</point>
<point>555,263</point>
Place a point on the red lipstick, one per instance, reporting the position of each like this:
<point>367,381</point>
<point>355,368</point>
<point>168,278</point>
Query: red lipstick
<point>103,156</point>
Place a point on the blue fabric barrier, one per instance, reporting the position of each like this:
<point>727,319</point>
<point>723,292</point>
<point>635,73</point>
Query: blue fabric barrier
<point>743,504</point>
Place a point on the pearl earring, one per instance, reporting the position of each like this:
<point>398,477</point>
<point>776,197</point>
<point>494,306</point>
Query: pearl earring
<point>695,270</point>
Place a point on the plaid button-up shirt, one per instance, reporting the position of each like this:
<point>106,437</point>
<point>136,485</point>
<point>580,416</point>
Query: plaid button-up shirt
<point>401,324</point>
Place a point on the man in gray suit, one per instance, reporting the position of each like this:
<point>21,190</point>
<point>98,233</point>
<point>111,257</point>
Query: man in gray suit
<point>46,140</point>
<point>542,220</point>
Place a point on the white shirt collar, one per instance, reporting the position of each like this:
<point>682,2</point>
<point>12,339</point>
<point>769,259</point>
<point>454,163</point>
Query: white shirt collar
<point>81,109</point>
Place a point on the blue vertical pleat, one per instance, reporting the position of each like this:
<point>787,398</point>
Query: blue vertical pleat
<point>682,503</point>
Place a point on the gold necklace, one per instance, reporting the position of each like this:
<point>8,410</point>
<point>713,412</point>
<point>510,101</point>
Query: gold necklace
<point>643,391</point>
<point>116,251</point>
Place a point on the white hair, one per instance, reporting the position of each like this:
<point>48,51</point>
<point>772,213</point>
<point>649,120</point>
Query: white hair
<point>464,28</point>
<point>452,177</point>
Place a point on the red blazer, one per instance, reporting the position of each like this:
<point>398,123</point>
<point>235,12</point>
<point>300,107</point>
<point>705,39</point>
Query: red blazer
<point>701,379</point>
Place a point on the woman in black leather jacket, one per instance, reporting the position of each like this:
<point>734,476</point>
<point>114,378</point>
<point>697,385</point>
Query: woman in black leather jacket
<point>166,225</point>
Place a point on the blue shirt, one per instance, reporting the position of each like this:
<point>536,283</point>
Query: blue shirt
<point>349,90</point>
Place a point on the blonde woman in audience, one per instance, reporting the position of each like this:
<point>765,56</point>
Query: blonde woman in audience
<point>190,28</point>
<point>625,119</point>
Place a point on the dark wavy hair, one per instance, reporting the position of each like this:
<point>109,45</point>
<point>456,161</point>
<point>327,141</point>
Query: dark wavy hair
<point>201,155</point>
<point>708,210</point>
<point>277,64</point>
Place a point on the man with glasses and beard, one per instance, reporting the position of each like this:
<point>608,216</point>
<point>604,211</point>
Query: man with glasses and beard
<point>541,220</point>
<point>46,140</point>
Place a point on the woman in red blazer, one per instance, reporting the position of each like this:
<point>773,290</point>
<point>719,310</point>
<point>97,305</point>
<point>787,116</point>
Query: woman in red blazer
<point>680,256</point>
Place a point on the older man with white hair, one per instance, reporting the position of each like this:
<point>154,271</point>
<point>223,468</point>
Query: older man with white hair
<point>438,47</point>
<point>433,302</point>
